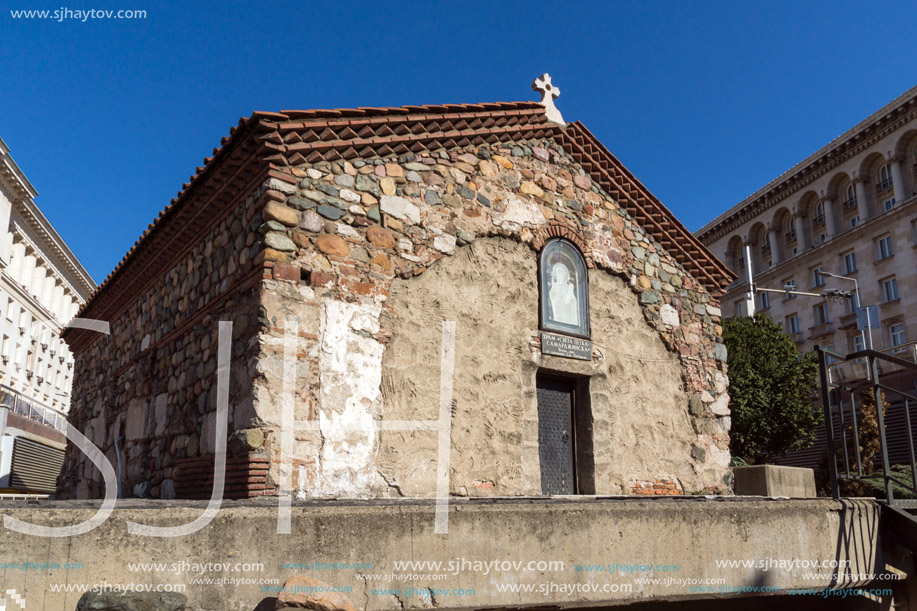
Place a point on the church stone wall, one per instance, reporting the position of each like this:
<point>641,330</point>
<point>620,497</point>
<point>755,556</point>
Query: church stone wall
<point>147,391</point>
<point>490,289</point>
<point>368,258</point>
<point>338,277</point>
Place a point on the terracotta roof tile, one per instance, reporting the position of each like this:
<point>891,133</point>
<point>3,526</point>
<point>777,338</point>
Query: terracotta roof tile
<point>270,141</point>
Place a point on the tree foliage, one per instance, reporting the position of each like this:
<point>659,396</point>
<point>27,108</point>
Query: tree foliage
<point>770,389</point>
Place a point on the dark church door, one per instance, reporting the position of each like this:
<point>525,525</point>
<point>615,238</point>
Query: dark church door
<point>556,447</point>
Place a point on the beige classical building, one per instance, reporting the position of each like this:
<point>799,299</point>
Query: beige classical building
<point>848,209</point>
<point>42,285</point>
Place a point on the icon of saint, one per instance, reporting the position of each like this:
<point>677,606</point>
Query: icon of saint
<point>562,296</point>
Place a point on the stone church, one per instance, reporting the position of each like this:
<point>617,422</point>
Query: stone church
<point>479,295</point>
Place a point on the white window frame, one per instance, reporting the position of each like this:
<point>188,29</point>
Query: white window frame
<point>850,257</point>
<point>890,289</point>
<point>822,316</point>
<point>884,248</point>
<point>817,278</point>
<point>896,335</point>
<point>858,343</point>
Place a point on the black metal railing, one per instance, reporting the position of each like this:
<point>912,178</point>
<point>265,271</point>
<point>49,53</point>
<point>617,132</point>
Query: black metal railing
<point>870,371</point>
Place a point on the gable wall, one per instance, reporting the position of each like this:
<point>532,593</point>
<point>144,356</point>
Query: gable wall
<point>369,298</point>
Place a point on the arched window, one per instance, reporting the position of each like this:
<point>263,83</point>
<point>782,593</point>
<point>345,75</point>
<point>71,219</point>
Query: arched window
<point>564,289</point>
<point>819,214</point>
<point>850,198</point>
<point>885,178</point>
<point>790,228</point>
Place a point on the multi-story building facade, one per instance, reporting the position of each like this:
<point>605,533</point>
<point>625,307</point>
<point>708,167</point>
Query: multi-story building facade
<point>42,285</point>
<point>850,209</point>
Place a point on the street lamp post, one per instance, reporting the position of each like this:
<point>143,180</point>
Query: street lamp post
<point>859,304</point>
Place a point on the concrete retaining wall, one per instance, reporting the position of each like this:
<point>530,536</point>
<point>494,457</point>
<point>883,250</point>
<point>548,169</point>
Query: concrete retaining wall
<point>681,540</point>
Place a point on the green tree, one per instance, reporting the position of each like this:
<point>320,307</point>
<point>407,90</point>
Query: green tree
<point>770,389</point>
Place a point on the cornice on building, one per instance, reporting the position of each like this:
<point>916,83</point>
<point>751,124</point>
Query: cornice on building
<point>24,207</point>
<point>841,149</point>
<point>12,176</point>
<point>50,243</point>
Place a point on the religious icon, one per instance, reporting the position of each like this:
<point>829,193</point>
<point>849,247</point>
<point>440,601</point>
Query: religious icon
<point>562,296</point>
<point>564,288</point>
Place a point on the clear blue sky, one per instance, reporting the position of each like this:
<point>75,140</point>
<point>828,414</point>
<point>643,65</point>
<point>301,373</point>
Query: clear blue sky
<point>704,102</point>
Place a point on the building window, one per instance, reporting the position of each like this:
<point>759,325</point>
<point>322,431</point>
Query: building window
<point>821,314</point>
<point>792,324</point>
<point>890,289</point>
<point>884,248</point>
<point>564,289</point>
<point>856,343</point>
<point>790,228</point>
<point>888,204</point>
<point>819,214</point>
<point>850,197</point>
<point>822,238</point>
<point>854,222</point>
<point>850,304</point>
<point>765,301</point>
<point>885,178</point>
<point>850,262</point>
<point>817,278</point>
<point>789,285</point>
<point>896,335</point>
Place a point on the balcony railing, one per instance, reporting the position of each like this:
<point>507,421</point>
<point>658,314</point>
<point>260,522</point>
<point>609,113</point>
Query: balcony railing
<point>850,204</point>
<point>883,185</point>
<point>31,409</point>
<point>818,221</point>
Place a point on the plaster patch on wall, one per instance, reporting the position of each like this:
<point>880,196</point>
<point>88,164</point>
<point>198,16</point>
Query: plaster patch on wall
<point>351,401</point>
<point>519,213</point>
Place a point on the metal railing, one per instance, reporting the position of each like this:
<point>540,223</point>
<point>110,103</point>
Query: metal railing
<point>32,409</point>
<point>866,371</point>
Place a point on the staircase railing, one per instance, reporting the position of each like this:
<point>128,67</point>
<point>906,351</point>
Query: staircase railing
<point>878,368</point>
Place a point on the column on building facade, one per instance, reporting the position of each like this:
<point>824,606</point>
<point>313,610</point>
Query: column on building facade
<point>772,240</point>
<point>828,205</point>
<point>800,224</point>
<point>17,259</point>
<point>898,179</point>
<point>37,286</point>
<point>862,205</point>
<point>28,271</point>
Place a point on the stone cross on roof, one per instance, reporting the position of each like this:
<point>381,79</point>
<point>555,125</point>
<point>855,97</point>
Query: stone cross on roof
<point>548,92</point>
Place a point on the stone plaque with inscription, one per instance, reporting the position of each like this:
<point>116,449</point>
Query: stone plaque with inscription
<point>565,346</point>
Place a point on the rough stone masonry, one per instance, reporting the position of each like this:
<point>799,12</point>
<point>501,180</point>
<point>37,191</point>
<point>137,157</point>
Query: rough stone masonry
<point>369,249</point>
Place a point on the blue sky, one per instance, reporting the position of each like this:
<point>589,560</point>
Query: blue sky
<point>703,101</point>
